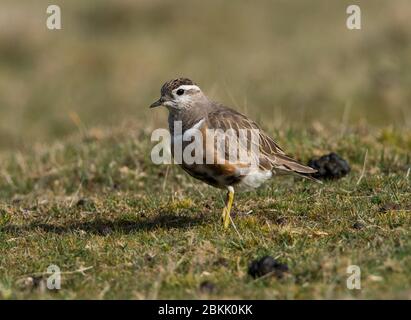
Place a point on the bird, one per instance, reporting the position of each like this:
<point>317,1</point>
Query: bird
<point>189,106</point>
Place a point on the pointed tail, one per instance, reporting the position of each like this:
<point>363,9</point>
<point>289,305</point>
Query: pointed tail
<point>285,163</point>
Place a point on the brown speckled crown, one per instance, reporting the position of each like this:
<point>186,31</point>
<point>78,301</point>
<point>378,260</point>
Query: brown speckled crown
<point>173,84</point>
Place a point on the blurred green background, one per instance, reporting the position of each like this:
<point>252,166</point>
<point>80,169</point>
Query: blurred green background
<point>284,63</point>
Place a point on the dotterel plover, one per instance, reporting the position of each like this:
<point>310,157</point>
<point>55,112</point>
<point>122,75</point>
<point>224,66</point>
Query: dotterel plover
<point>188,105</point>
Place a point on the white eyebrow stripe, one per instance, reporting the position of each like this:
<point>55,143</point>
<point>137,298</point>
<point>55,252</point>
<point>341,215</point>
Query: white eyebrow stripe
<point>189,132</point>
<point>187,87</point>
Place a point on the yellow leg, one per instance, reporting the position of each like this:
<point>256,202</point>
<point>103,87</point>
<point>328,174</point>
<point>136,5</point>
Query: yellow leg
<point>227,208</point>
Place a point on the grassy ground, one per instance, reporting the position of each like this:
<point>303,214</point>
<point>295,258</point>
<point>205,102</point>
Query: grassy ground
<point>78,189</point>
<point>149,231</point>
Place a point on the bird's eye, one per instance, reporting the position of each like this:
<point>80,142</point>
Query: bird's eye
<point>180,92</point>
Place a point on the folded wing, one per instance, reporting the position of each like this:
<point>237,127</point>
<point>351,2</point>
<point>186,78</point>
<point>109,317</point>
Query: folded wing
<point>270,155</point>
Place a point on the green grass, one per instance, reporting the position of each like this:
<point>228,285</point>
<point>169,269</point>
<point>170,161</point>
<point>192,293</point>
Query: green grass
<point>147,231</point>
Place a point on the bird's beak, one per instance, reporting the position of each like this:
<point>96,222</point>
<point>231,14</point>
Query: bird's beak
<point>157,103</point>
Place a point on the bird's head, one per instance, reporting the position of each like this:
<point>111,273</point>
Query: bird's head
<point>178,94</point>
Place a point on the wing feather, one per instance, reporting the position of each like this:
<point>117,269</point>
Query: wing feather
<point>271,156</point>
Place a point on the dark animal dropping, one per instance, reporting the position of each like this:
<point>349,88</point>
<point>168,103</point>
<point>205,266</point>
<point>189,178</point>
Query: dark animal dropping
<point>266,265</point>
<point>207,287</point>
<point>329,166</point>
<point>358,225</point>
